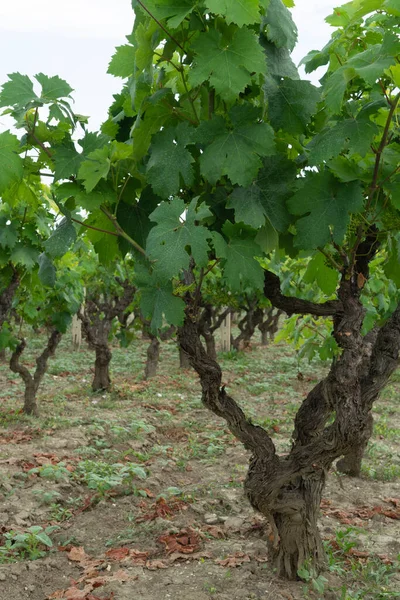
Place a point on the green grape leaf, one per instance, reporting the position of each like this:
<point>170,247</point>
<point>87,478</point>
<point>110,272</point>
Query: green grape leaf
<point>67,162</point>
<point>370,64</point>
<point>267,195</point>
<point>8,233</point>
<point>327,204</point>
<point>11,164</point>
<point>24,255</point>
<point>279,62</point>
<point>345,169</point>
<point>157,301</point>
<point>281,29</point>
<point>47,271</point>
<point>61,321</point>
<point>92,141</point>
<point>241,12</point>
<point>241,269</point>
<point>318,271</point>
<point>107,249</point>
<point>60,241</point>
<point>95,167</point>
<point>359,134</point>
<point>170,163</point>
<point>18,90</point>
<point>291,104</point>
<point>53,87</point>
<point>228,63</point>
<point>392,7</point>
<point>174,12</point>
<point>122,63</point>
<point>247,205</point>
<point>143,129</point>
<point>335,88</point>
<point>174,232</point>
<point>235,152</point>
<point>392,266</point>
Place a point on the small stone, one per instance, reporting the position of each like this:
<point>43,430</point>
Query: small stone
<point>14,577</point>
<point>233,523</point>
<point>211,519</point>
<point>31,588</point>
<point>4,518</point>
<point>2,577</point>
<point>33,567</point>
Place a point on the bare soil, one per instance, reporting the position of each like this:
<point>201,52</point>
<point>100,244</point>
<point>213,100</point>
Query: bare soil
<point>186,531</point>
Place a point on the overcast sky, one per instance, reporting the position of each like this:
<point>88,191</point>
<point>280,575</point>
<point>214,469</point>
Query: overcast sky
<point>76,40</point>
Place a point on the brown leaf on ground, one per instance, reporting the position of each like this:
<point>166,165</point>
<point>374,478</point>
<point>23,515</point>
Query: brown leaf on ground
<point>15,437</point>
<point>153,565</point>
<point>395,501</point>
<point>78,554</point>
<point>162,509</point>
<point>214,531</point>
<point>138,558</point>
<point>119,575</point>
<point>195,556</point>
<point>117,553</point>
<point>233,560</point>
<point>186,541</point>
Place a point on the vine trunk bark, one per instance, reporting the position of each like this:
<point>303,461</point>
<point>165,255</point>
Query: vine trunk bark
<point>32,382</point>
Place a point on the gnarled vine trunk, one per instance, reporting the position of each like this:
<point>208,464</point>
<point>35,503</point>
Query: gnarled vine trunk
<point>153,349</point>
<point>252,318</point>
<point>287,489</point>
<point>209,321</point>
<point>269,326</point>
<point>32,382</point>
<point>97,317</point>
<point>101,379</point>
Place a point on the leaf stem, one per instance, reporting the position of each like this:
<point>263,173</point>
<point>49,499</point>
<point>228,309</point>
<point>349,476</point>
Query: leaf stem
<point>160,25</point>
<point>121,232</point>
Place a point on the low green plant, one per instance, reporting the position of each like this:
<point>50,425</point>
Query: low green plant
<point>31,544</point>
<point>102,476</point>
<point>57,472</point>
<point>47,496</point>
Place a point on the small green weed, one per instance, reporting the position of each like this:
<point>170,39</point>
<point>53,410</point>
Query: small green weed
<point>31,544</point>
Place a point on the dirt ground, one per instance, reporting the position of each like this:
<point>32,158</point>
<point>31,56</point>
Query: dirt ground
<point>145,487</point>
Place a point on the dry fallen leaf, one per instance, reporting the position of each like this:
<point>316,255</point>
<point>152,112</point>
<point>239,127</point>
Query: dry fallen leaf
<point>186,541</point>
<point>153,565</point>
<point>117,553</point>
<point>233,560</point>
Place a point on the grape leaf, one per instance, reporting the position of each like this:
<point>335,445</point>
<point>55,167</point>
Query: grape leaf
<point>371,63</point>
<point>247,205</point>
<point>95,167</point>
<point>335,87</point>
<point>53,87</point>
<point>241,12</point>
<point>174,12</point>
<point>327,204</point>
<point>24,255</point>
<point>8,233</point>
<point>291,104</point>
<point>392,7</point>
<point>267,195</point>
<point>281,29</point>
<point>174,232</point>
<point>157,301</point>
<point>18,90</point>
<point>235,152</point>
<point>67,162</point>
<point>359,134</point>
<point>60,241</point>
<point>241,269</point>
<point>279,62</point>
<point>318,271</point>
<point>11,164</point>
<point>170,160</point>
<point>228,63</point>
<point>122,63</point>
<point>47,271</point>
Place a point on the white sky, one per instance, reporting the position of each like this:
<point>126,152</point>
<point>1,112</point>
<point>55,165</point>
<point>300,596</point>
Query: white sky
<point>76,39</point>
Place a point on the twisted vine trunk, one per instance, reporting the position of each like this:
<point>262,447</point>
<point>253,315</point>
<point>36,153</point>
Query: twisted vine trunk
<point>153,349</point>
<point>208,323</point>
<point>269,326</point>
<point>252,318</point>
<point>97,317</point>
<point>32,382</point>
<point>287,490</point>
